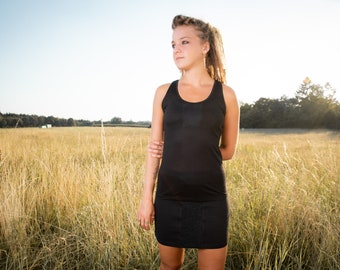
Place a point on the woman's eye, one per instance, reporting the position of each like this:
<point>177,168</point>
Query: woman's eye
<point>184,42</point>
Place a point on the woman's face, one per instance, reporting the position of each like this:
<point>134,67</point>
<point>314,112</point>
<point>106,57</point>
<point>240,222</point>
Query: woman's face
<point>188,48</point>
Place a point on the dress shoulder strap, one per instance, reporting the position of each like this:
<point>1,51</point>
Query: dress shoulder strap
<point>170,93</point>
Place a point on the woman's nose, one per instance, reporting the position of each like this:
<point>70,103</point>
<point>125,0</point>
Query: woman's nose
<point>176,49</point>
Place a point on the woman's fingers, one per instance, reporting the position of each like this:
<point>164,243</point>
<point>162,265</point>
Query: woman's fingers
<point>156,148</point>
<point>145,222</point>
<point>146,214</point>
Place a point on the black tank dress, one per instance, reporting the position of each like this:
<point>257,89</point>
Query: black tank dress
<point>191,209</point>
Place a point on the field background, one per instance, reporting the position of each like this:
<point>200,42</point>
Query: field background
<point>69,198</point>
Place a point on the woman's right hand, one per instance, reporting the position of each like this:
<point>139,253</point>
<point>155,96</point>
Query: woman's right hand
<point>156,148</point>
<point>146,214</point>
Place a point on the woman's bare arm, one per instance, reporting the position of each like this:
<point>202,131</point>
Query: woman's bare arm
<point>231,124</point>
<point>145,213</point>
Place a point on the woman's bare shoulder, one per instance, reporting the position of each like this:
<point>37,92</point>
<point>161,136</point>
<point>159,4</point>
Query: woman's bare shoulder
<point>229,94</point>
<point>163,87</point>
<point>162,90</point>
<point>227,90</point>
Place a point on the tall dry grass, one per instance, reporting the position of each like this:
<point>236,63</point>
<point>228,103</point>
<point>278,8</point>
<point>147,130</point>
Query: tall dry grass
<point>69,196</point>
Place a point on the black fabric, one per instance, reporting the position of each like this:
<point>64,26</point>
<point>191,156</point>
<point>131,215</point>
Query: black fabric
<point>191,224</point>
<point>191,209</point>
<point>191,167</point>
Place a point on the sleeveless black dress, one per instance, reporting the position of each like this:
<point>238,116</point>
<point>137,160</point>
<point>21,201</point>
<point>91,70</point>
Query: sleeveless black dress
<point>191,209</point>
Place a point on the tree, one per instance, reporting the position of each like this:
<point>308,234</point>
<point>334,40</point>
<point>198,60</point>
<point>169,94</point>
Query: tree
<point>262,118</point>
<point>289,113</point>
<point>71,122</point>
<point>51,120</point>
<point>116,120</point>
<point>3,122</point>
<point>246,115</point>
<point>316,104</point>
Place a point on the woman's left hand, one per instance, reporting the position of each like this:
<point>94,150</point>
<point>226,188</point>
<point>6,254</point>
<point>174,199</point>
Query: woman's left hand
<point>156,148</point>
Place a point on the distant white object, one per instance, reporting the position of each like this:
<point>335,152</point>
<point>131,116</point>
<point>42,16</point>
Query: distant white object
<point>47,126</point>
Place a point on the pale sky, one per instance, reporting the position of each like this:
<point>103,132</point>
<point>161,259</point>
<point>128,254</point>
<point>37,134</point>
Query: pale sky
<point>102,59</point>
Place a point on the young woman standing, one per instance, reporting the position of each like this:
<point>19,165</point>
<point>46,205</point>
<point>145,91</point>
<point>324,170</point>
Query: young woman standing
<point>197,117</point>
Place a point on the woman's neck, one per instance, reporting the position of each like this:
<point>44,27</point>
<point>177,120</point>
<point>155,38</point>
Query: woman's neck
<point>196,77</point>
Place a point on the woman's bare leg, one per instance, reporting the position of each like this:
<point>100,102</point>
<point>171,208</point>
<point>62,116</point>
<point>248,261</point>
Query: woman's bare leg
<point>172,258</point>
<point>212,259</point>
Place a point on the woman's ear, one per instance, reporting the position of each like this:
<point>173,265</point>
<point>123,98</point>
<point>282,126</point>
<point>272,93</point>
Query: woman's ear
<point>206,47</point>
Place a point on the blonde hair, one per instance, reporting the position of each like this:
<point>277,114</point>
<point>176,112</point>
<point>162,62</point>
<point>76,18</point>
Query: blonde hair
<point>209,33</point>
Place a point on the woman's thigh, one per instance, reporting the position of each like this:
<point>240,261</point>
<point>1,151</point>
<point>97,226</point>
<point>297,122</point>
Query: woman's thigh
<point>171,257</point>
<point>212,259</point>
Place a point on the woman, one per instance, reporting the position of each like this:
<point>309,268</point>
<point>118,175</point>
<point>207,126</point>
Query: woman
<point>197,117</point>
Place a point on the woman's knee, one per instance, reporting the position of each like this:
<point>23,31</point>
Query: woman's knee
<point>171,258</point>
<point>171,265</point>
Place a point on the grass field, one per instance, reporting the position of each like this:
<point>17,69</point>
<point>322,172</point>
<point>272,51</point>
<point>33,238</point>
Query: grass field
<point>69,197</point>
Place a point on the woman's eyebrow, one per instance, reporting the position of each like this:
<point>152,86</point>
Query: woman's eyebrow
<point>185,37</point>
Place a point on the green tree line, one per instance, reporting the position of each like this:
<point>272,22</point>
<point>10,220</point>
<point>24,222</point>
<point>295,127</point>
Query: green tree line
<point>314,106</point>
<point>11,120</point>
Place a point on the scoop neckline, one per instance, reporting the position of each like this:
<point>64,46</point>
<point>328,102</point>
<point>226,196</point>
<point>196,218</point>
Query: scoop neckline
<point>195,102</point>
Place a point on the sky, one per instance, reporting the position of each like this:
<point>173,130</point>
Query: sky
<point>95,60</point>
